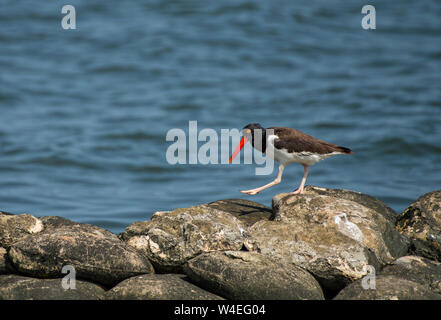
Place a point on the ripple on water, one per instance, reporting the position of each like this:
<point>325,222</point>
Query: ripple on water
<point>60,161</point>
<point>401,146</point>
<point>84,113</point>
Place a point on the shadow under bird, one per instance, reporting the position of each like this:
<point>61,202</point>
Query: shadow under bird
<point>287,145</point>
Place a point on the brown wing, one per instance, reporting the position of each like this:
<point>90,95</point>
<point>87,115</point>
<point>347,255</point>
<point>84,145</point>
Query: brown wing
<point>297,141</point>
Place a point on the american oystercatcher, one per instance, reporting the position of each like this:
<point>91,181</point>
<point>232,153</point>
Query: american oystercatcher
<point>287,145</point>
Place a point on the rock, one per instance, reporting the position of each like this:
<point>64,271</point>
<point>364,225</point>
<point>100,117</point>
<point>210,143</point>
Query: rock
<point>334,239</point>
<point>249,275</point>
<point>15,227</point>
<point>3,267</point>
<point>417,269</point>
<point>14,287</point>
<point>95,256</point>
<point>388,288</point>
<point>158,287</point>
<point>350,218</point>
<point>361,198</point>
<point>169,239</point>
<point>407,278</point>
<point>249,212</point>
<point>52,223</point>
<point>421,222</point>
<point>334,259</point>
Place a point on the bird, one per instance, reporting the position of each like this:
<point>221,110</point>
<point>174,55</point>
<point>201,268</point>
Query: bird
<point>287,145</point>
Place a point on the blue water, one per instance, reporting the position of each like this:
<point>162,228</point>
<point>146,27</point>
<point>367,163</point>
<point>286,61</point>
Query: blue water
<point>84,112</point>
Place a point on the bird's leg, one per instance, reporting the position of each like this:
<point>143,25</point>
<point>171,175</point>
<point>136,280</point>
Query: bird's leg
<point>302,184</point>
<point>276,181</point>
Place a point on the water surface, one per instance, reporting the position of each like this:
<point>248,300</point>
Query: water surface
<point>84,112</point>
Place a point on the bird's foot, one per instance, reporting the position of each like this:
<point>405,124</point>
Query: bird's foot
<point>298,191</point>
<point>251,192</point>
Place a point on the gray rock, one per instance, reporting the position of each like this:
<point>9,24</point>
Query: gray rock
<point>388,287</point>
<point>334,239</point>
<point>172,238</point>
<point>249,275</point>
<point>55,223</point>
<point>349,217</point>
<point>361,198</point>
<point>94,255</point>
<point>335,260</point>
<point>15,227</point>
<point>3,267</point>
<point>158,287</point>
<point>417,269</point>
<point>249,212</point>
<point>15,287</point>
<point>421,222</point>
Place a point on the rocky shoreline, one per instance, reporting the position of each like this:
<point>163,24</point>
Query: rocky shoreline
<point>323,244</point>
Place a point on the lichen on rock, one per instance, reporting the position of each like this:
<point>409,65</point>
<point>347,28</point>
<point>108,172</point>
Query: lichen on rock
<point>15,227</point>
<point>158,287</point>
<point>407,278</point>
<point>3,265</point>
<point>320,244</point>
<point>170,239</point>
<point>421,270</point>
<point>95,255</point>
<point>308,231</point>
<point>421,222</point>
<point>388,287</point>
<point>242,275</point>
<point>248,212</point>
<point>17,287</point>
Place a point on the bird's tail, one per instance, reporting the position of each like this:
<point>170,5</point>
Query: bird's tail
<point>345,150</point>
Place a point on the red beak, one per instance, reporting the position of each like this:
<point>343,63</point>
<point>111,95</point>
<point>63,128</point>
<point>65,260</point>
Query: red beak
<point>238,148</point>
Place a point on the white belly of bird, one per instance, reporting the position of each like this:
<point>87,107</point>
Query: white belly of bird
<point>285,157</point>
